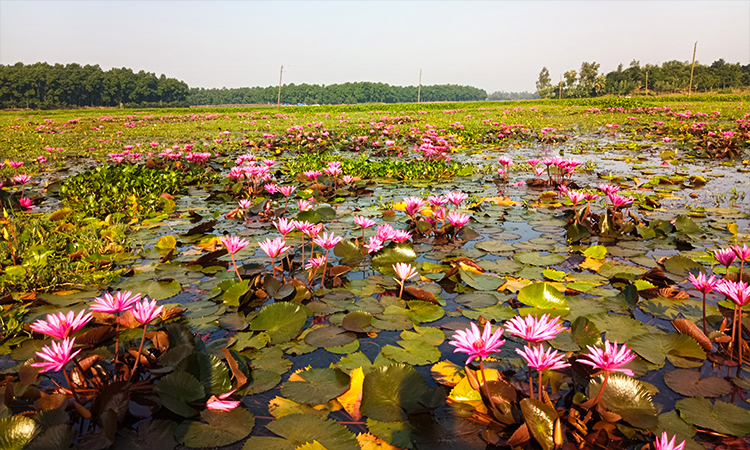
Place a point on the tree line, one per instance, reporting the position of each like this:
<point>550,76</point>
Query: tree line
<point>346,93</point>
<point>670,77</point>
<point>43,86</point>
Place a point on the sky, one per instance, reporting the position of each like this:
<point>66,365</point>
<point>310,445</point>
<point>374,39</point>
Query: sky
<point>492,45</point>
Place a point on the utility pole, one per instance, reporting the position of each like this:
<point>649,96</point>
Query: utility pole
<point>278,100</point>
<point>419,90</point>
<point>690,86</point>
<point>561,86</point>
<point>647,81</point>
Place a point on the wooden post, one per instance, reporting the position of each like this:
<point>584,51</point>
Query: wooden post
<point>278,100</point>
<point>690,86</point>
<point>561,86</point>
<point>419,90</point>
<point>647,81</point>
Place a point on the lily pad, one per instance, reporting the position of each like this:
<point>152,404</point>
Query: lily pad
<point>655,347</point>
<point>298,429</point>
<point>618,328</point>
<point>177,390</point>
<point>394,253</point>
<point>357,321</point>
<point>721,417</point>
<point>627,397</point>
<point>681,265</point>
<point>17,431</point>
<point>540,418</point>
<point>389,393</point>
<point>537,259</point>
<point>542,296</point>
<point>690,384</point>
<point>283,321</point>
<point>412,351</point>
<point>318,386</point>
<point>330,336</point>
<point>221,428</point>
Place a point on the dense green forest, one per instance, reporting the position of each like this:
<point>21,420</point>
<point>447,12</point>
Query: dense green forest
<point>670,77</point>
<point>362,92</point>
<point>44,86</point>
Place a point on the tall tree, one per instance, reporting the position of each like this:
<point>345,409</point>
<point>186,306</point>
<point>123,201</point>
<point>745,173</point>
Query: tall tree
<point>544,84</point>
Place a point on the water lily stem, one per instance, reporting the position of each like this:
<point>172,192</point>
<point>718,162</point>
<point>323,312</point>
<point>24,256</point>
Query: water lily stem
<point>484,383</point>
<point>234,263</point>
<point>140,349</point>
<point>734,331</point>
<point>401,292</point>
<point>531,385</point>
<point>325,266</point>
<point>71,386</point>
<point>601,391</point>
<point>704,314</point>
<point>539,384</point>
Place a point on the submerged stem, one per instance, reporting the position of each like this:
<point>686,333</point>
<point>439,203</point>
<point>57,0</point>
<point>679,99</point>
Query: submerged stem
<point>601,391</point>
<point>140,349</point>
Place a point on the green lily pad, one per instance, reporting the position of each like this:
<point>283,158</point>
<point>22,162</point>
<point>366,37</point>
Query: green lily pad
<point>357,321</point>
<point>596,252</point>
<point>298,429</point>
<point>395,433</point>
<point>681,265</point>
<point>393,322</point>
<point>673,425</point>
<point>330,336</point>
<point>211,371</point>
<point>655,347</point>
<point>17,431</point>
<point>222,428</point>
<point>537,259</point>
<point>554,275</point>
<point>627,397</point>
<point>540,419</point>
<point>348,251</point>
<point>283,321</point>
<point>177,390</point>
<point>494,247</point>
<point>577,232</point>
<point>411,351</point>
<point>160,290</point>
<point>542,296</point>
<point>686,225</point>
<point>166,243</point>
<point>394,253</point>
<point>618,328</point>
<point>421,312</point>
<point>481,282</point>
<point>319,387</point>
<point>721,417</point>
<point>494,312</point>
<point>389,393</point>
<point>690,384</point>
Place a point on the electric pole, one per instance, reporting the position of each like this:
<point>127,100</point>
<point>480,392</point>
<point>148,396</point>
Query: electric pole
<point>647,81</point>
<point>278,100</point>
<point>419,90</point>
<point>690,86</point>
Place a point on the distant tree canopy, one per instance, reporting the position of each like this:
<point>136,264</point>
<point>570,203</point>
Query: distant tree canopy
<point>45,86</point>
<point>510,96</point>
<point>670,77</point>
<point>310,94</point>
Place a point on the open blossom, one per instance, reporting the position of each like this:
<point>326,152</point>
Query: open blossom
<point>458,219</point>
<point>233,244</point>
<point>312,174</point>
<point>24,202</point>
<point>608,188</point>
<point>609,359</point>
<point>505,161</point>
<point>328,241</point>
<point>475,344</point>
<point>575,197</point>
<point>304,205</point>
<point>364,222</point>
<point>271,188</point>
<point>385,232</point>
<point>57,355</point>
<point>286,191</point>
<point>743,253</point>
<point>664,444</point>
<point>220,404</point>
<point>413,205</point>
<point>737,291</point>
<point>539,359</point>
<point>61,325</point>
<point>702,283</point>
<point>535,329</point>
<point>725,256</point>
<point>404,271</point>
<point>22,178</point>
<point>112,304</point>
<point>284,225</point>
<point>400,236</point>
<point>274,248</point>
<point>146,311</point>
<point>457,197</point>
<point>437,200</point>
<point>619,200</point>
<point>374,245</point>
<point>315,262</point>
<point>245,204</point>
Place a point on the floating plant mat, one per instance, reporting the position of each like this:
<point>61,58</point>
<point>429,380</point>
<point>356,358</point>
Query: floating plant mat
<point>363,358</point>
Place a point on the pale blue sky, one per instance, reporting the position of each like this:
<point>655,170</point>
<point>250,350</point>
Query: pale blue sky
<point>494,45</point>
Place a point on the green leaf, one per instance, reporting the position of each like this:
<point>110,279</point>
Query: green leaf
<point>154,434</point>
<point>394,253</point>
<point>681,265</point>
<point>348,251</point>
<point>690,384</point>
<point>166,243</point>
<point>494,247</point>
<point>177,390</point>
<point>414,352</point>
<point>686,225</point>
<point>554,275</point>
<point>481,282</point>
<point>283,321</point>
<point>421,311</point>
<point>536,258</point>
<point>357,321</point>
<point>160,290</point>
<point>299,429</point>
<point>330,336</point>
<point>576,232</point>
<point>310,216</point>
<point>222,428</point>
<point>542,296</point>
<point>397,434</point>
<point>231,296</point>
<point>389,393</point>
<point>583,332</point>
<point>627,397</point>
<point>618,328</point>
<point>209,370</point>
<point>720,416</point>
<point>540,419</point>
<point>596,252</point>
<point>655,347</point>
<point>494,312</point>
<point>17,431</point>
<point>319,387</point>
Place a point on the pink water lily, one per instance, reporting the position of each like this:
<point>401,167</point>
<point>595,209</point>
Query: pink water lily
<point>535,329</point>
<point>705,285</point>
<point>725,256</point>
<point>114,304</point>
<point>56,355</point>
<point>413,205</point>
<point>475,344</point>
<point>233,244</point>
<point>541,360</point>
<point>456,197</point>
<point>61,326</point>
<point>373,245</point>
<point>610,359</point>
<point>284,225</point>
<point>221,404</point>
<point>664,443</point>
<point>146,311</point>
